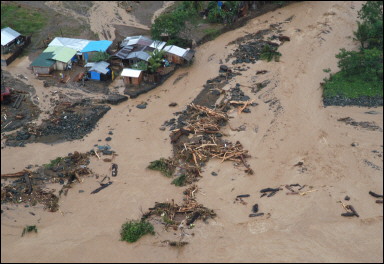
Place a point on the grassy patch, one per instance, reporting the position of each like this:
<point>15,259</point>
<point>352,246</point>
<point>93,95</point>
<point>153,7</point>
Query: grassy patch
<point>23,20</point>
<point>212,33</point>
<point>351,86</point>
<point>180,181</point>
<point>29,229</point>
<point>162,165</point>
<point>53,163</point>
<point>131,231</point>
<point>269,53</point>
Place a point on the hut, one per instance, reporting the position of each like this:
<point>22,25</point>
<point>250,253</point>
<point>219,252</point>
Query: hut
<point>178,55</point>
<point>132,76</point>
<point>53,58</point>
<point>12,44</point>
<point>93,47</point>
<point>99,71</point>
<point>9,39</point>
<point>136,41</point>
<point>43,64</point>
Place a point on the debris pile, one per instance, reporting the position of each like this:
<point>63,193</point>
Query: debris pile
<point>30,186</point>
<point>178,216</point>
<point>198,139</point>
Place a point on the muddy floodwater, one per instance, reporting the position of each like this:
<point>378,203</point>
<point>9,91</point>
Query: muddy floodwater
<point>290,136</point>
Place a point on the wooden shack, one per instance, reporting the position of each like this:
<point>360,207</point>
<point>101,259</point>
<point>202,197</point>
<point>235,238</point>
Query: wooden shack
<point>132,76</point>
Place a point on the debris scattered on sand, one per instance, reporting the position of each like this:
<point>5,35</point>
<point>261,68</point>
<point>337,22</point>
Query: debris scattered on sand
<point>102,186</point>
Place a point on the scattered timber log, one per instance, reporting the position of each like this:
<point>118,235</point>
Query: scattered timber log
<point>375,195</point>
<point>103,186</point>
<point>16,174</point>
<point>255,215</point>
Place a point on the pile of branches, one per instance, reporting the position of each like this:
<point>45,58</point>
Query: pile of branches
<point>200,139</point>
<point>177,216</point>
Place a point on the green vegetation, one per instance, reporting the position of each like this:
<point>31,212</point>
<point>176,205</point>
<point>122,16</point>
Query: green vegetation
<point>155,61</point>
<point>162,165</point>
<point>212,33</point>
<point>226,14</point>
<point>29,229</point>
<point>131,231</point>
<point>141,65</point>
<point>53,163</point>
<point>173,24</point>
<point>99,56</point>
<point>180,181</point>
<point>23,20</point>
<point>361,72</point>
<point>269,53</point>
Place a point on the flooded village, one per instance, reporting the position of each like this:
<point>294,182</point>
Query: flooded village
<point>123,141</point>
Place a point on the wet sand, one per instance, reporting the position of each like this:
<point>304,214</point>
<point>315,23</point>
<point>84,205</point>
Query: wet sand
<point>300,229</point>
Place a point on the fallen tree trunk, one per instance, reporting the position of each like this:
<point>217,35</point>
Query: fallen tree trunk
<point>16,174</point>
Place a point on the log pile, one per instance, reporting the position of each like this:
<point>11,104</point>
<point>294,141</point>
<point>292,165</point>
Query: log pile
<point>173,215</point>
<point>200,139</point>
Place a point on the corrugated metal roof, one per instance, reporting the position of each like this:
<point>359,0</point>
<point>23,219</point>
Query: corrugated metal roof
<point>136,40</point>
<point>76,44</point>
<point>157,44</point>
<point>142,55</point>
<point>189,55</point>
<point>97,45</point>
<point>100,67</point>
<point>62,54</point>
<point>124,52</point>
<point>175,50</point>
<point>44,60</point>
<point>131,73</point>
<point>7,35</point>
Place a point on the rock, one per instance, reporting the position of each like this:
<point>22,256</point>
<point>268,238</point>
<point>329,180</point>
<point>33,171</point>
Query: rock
<point>347,198</point>
<point>142,106</point>
<point>213,173</point>
<point>108,139</point>
<point>246,110</point>
<point>107,152</point>
<point>81,191</point>
<point>162,128</point>
<point>110,133</point>
<point>172,104</point>
<point>223,68</point>
<point>354,144</point>
<point>215,92</point>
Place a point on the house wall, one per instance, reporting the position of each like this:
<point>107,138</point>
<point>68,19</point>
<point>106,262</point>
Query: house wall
<point>60,66</point>
<point>94,75</point>
<point>42,70</point>
<point>174,58</point>
<point>131,80</point>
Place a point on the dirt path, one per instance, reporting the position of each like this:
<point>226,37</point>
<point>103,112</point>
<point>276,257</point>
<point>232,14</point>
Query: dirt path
<point>289,125</point>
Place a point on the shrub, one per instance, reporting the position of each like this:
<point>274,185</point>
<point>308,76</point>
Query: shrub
<point>162,165</point>
<point>270,52</point>
<point>131,231</point>
<point>180,181</point>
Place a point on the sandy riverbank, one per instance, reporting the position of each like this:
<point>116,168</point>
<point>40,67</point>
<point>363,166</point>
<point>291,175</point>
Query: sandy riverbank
<point>300,229</point>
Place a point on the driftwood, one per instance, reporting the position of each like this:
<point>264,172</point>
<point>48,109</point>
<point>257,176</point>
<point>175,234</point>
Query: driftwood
<point>258,214</point>
<point>375,195</point>
<point>16,174</point>
<point>103,186</point>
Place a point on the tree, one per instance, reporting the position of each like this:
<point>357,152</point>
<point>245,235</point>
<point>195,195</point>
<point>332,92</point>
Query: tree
<point>100,56</point>
<point>370,30</point>
<point>155,61</point>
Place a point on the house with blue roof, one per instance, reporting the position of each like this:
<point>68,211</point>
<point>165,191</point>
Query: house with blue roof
<point>94,47</point>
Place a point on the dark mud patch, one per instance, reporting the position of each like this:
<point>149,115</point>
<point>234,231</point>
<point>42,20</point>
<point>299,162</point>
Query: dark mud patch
<point>364,124</point>
<point>69,121</point>
<point>11,117</point>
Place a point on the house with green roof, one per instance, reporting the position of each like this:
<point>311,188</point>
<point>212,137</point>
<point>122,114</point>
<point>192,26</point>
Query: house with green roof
<point>53,58</point>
